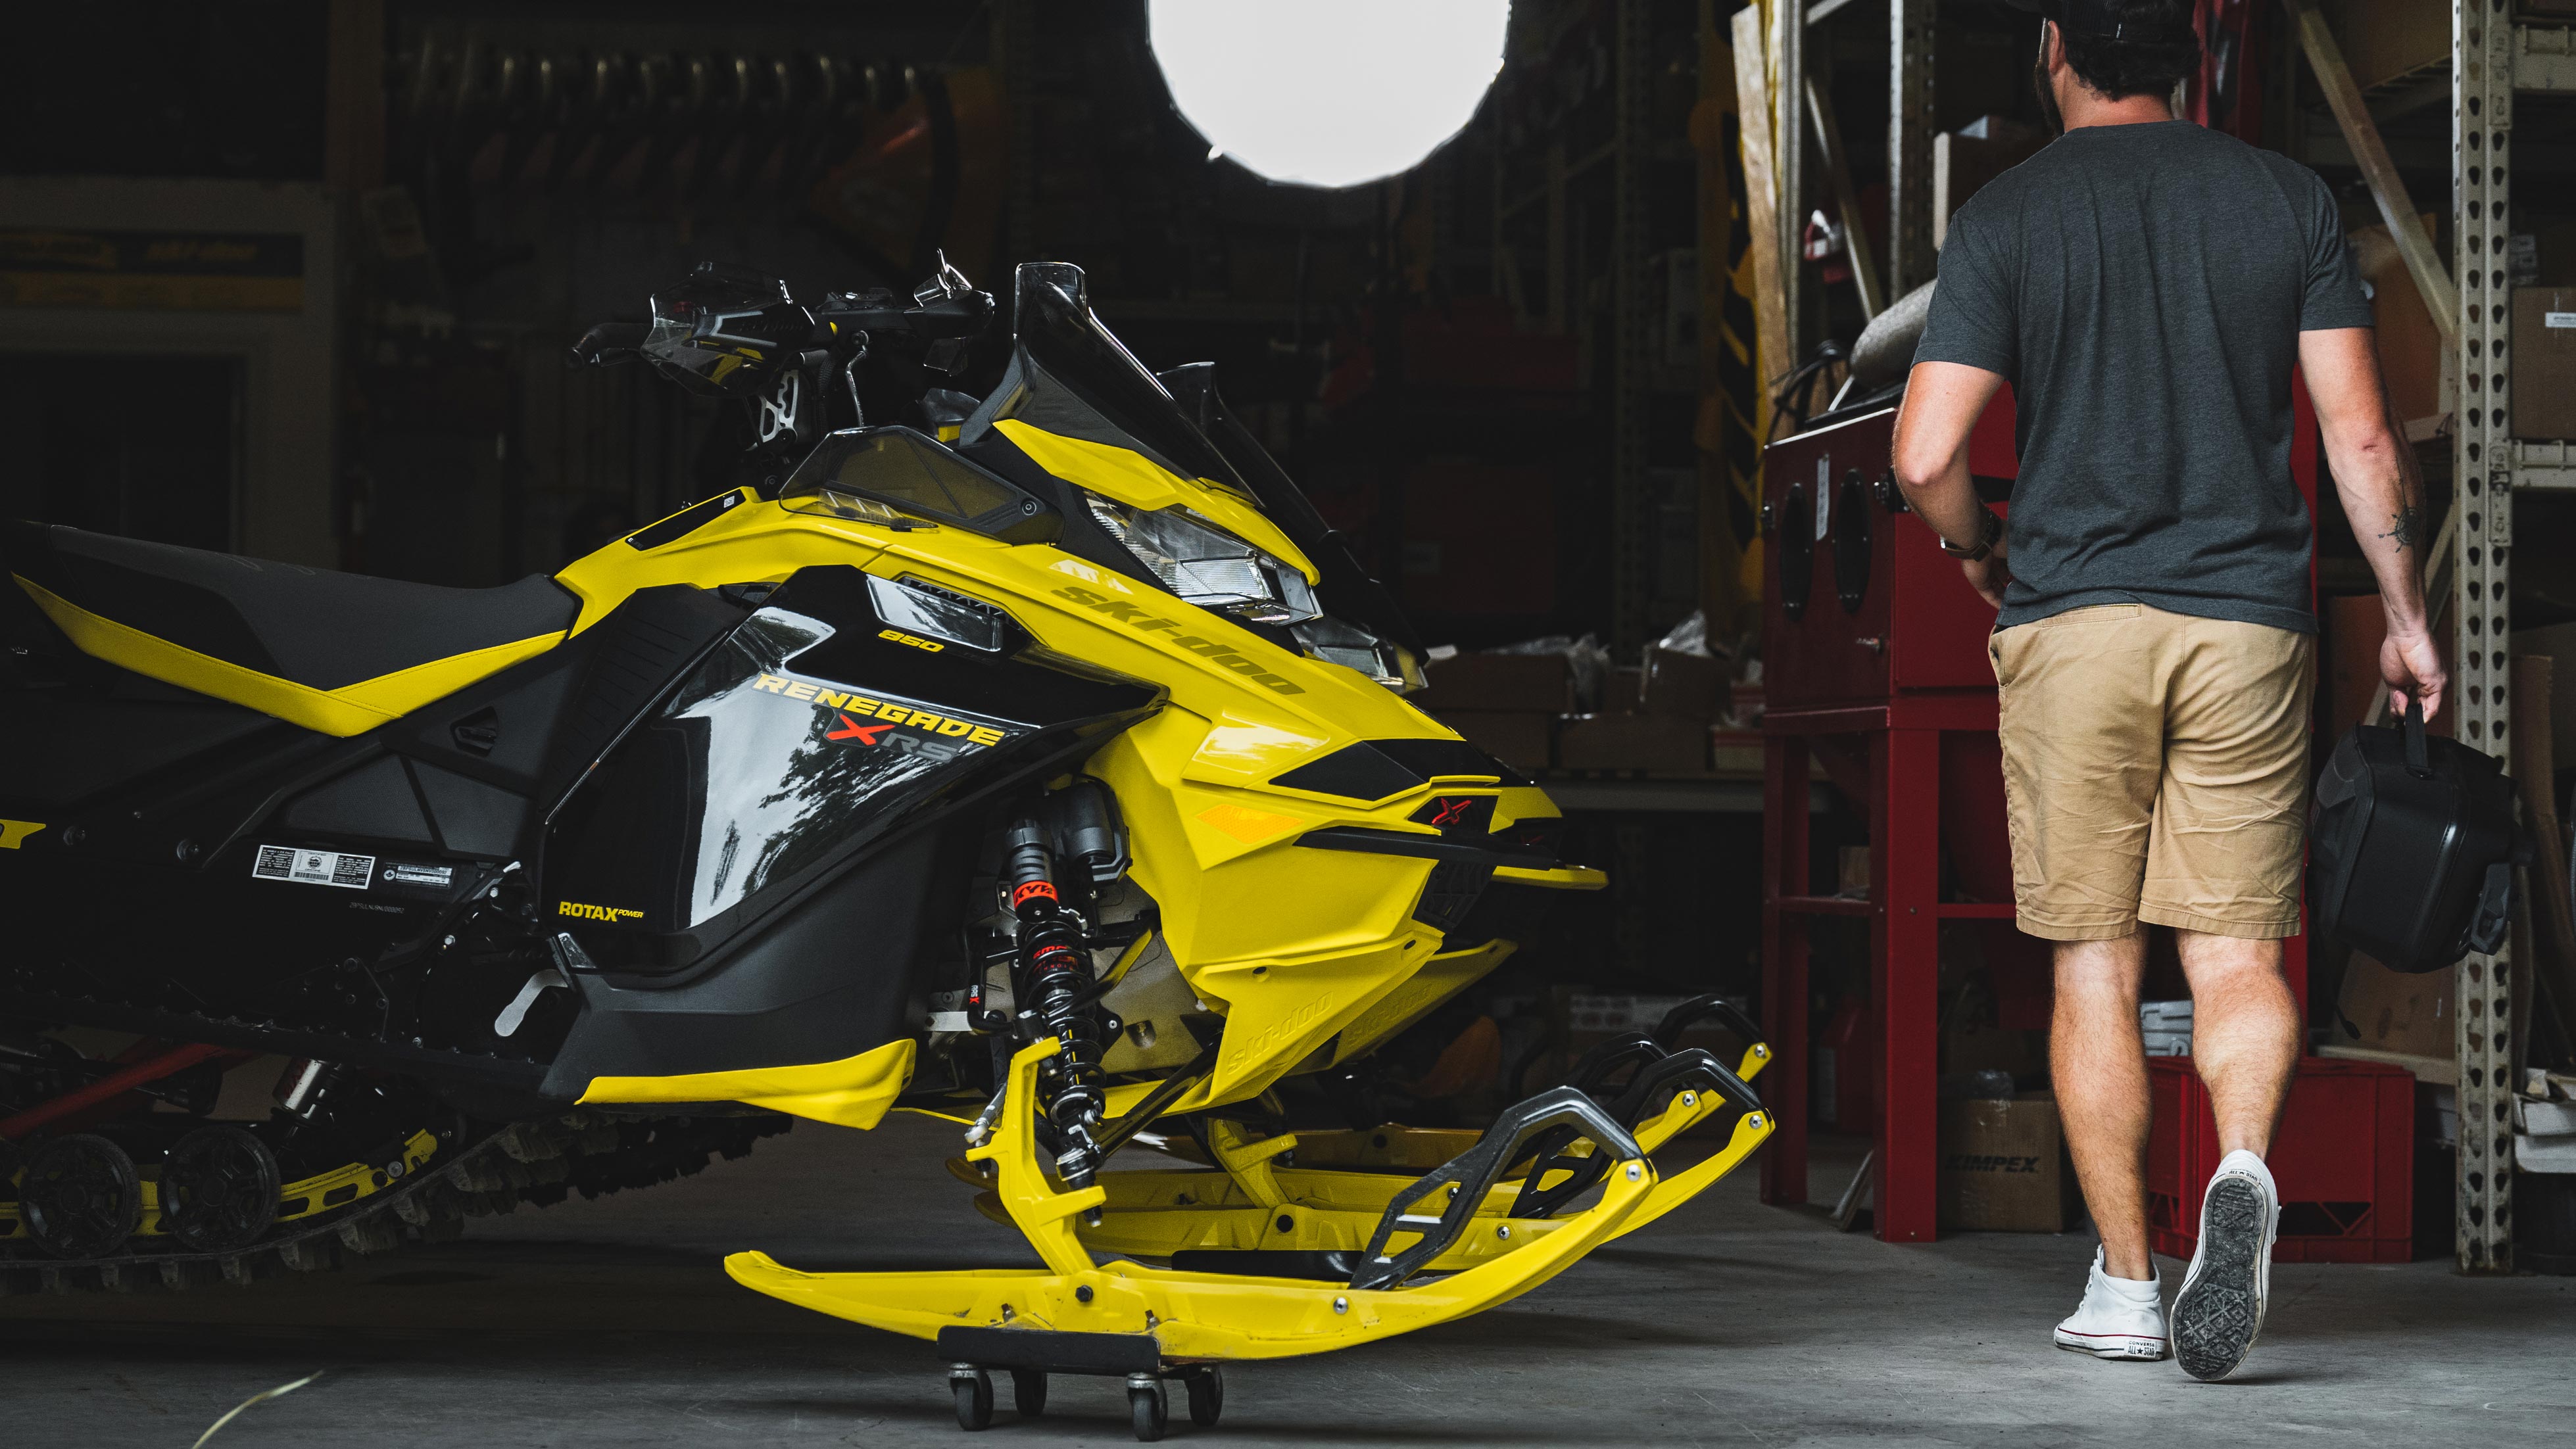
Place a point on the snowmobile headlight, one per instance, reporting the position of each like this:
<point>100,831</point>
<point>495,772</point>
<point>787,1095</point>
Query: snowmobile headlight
<point>1208,566</point>
<point>1353,647</point>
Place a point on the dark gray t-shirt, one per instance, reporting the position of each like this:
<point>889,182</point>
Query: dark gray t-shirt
<point>2143,288</point>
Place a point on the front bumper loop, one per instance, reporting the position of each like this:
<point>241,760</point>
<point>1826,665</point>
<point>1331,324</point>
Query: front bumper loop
<point>1473,1173</point>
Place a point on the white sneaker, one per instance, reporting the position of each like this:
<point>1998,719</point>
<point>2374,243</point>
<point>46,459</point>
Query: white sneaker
<point>2119,1318</point>
<point>2219,1312</point>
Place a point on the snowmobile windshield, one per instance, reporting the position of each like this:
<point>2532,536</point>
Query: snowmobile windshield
<point>1072,378</point>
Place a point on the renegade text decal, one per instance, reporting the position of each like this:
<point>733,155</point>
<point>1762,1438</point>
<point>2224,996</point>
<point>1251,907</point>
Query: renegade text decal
<point>852,712</point>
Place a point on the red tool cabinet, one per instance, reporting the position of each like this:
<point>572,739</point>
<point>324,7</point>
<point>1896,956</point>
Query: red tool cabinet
<point>1872,639</point>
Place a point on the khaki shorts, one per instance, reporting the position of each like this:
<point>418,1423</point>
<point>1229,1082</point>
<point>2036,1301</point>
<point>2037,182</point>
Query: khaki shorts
<point>2155,770</point>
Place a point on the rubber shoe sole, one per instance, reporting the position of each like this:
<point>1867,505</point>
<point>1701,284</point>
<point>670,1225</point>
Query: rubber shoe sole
<point>2220,1310</point>
<point>2112,1346</point>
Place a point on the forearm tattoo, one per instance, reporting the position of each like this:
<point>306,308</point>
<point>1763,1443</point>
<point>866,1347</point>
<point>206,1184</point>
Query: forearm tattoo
<point>2405,527</point>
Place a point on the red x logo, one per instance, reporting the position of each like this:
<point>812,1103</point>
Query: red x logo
<point>852,730</point>
<point>1450,810</point>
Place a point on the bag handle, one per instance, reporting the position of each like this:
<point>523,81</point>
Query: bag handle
<point>2419,761</point>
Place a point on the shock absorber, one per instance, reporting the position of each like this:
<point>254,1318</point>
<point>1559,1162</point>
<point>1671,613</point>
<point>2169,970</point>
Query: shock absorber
<point>1053,970</point>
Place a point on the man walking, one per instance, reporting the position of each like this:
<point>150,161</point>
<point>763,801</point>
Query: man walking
<point>2146,287</point>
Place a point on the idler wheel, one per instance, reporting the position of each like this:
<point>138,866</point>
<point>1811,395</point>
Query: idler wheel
<point>219,1190</point>
<point>81,1196</point>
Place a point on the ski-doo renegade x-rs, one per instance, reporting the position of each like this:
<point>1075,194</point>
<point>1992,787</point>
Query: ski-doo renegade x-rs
<point>1040,759</point>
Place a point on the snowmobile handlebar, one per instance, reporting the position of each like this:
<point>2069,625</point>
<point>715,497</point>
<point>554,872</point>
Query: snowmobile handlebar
<point>609,344</point>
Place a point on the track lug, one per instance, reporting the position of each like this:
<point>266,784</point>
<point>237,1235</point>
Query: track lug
<point>377,1234</point>
<point>309,1255</point>
<point>128,1278</point>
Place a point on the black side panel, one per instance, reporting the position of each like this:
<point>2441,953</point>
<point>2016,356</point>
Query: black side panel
<point>374,801</point>
<point>473,818</point>
<point>296,882</point>
<point>822,983</point>
<point>638,650</point>
<point>807,738</point>
<point>74,728</point>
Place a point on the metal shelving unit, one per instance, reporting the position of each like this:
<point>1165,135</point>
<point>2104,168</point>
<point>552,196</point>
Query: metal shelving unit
<point>2495,55</point>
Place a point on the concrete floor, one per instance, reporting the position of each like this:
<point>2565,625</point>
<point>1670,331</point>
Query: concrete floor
<point>609,1323</point>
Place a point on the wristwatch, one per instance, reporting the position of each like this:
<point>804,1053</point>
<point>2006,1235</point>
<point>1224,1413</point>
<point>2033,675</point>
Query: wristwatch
<point>1991,530</point>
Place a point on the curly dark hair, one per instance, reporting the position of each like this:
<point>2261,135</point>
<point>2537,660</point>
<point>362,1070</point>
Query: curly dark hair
<point>2123,68</point>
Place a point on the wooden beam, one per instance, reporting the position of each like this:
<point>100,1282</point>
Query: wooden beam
<point>2369,152</point>
<point>1762,214</point>
<point>1724,411</point>
<point>1783,63</point>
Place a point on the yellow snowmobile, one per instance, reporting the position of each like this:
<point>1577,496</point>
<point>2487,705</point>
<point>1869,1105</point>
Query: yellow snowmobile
<point>1040,759</point>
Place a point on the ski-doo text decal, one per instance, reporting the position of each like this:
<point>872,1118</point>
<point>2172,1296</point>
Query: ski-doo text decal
<point>852,713</point>
<point>1144,622</point>
<point>313,867</point>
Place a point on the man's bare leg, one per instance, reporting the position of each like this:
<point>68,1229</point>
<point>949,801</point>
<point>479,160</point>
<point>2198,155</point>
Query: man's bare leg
<point>2244,1034</point>
<point>2099,1064</point>
<point>2245,1042</point>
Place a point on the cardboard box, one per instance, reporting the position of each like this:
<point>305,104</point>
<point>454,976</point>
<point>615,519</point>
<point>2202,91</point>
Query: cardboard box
<point>2544,363</point>
<point>2385,39</point>
<point>1976,1046</point>
<point>1686,686</point>
<point>2001,1166</point>
<point>2410,346</point>
<point>1632,742</point>
<point>1626,684</point>
<point>2391,1011</point>
<point>1966,159</point>
<point>1532,682</point>
<point>2556,642</point>
<point>1518,738</point>
<point>2356,626</point>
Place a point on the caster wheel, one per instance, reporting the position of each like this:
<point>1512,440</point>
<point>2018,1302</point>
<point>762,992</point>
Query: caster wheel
<point>1028,1392</point>
<point>219,1190</point>
<point>1207,1395</point>
<point>81,1196</point>
<point>974,1390</point>
<point>1147,1407</point>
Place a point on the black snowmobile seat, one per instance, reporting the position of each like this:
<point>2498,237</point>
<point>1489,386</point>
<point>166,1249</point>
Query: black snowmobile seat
<point>335,652</point>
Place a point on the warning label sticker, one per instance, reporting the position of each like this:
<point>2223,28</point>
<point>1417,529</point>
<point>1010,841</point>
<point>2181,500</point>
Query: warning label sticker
<point>313,867</point>
<point>440,876</point>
